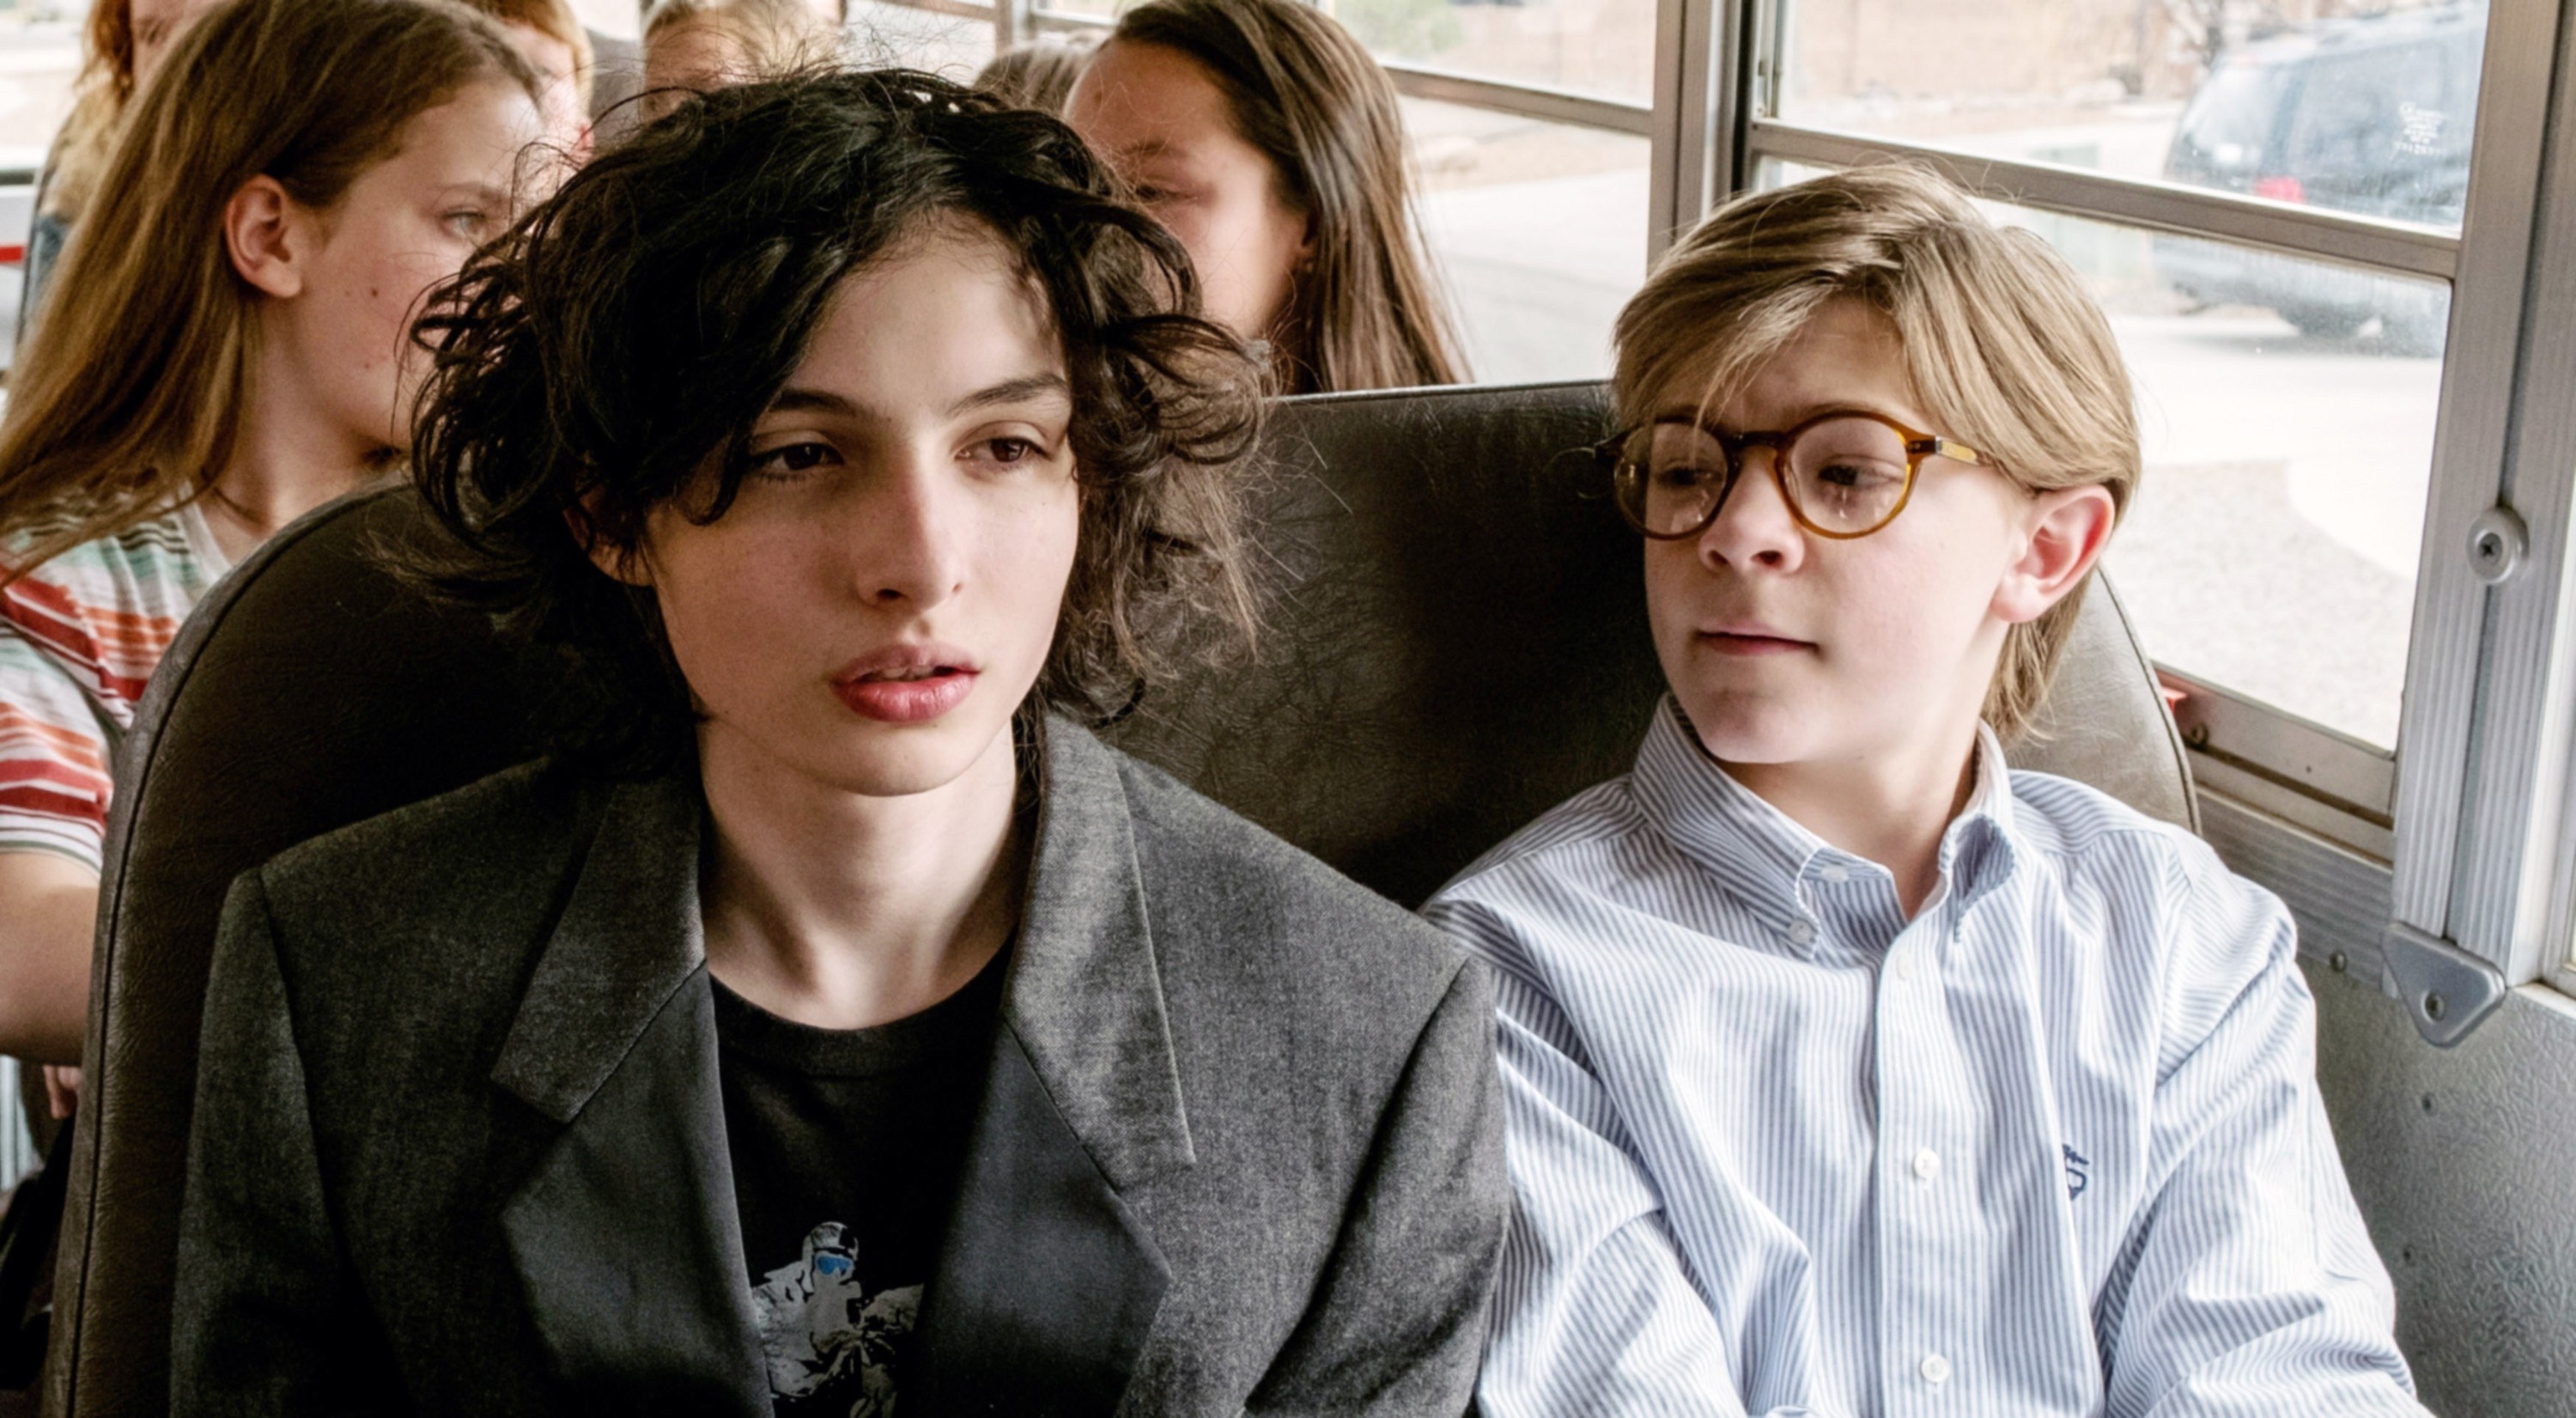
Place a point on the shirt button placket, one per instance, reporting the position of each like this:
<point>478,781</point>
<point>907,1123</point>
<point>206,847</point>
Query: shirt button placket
<point>1923,1231</point>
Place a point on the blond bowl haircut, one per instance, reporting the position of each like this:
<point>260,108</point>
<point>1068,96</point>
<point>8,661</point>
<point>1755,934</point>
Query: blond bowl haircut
<point>2005,350</point>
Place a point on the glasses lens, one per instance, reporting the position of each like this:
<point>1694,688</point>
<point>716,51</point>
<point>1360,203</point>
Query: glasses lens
<point>1847,474</point>
<point>1670,475</point>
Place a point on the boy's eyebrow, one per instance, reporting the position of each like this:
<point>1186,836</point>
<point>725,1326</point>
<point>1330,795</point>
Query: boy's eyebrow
<point>1013,391</point>
<point>796,400</point>
<point>793,400</point>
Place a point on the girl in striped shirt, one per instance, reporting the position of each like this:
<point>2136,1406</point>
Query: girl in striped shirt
<point>226,350</point>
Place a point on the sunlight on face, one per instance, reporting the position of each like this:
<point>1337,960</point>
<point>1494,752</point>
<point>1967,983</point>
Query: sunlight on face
<point>1158,118</point>
<point>882,595</point>
<point>1784,647</point>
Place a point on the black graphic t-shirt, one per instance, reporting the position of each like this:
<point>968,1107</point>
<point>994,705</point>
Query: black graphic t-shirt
<point>847,1146</point>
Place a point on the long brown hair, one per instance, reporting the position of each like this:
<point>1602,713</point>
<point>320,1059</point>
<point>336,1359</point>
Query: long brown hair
<point>128,397</point>
<point>1366,313</point>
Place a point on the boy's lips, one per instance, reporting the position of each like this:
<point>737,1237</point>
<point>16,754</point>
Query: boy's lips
<point>1750,638</point>
<point>907,684</point>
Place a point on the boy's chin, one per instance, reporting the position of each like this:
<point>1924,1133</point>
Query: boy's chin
<point>1747,730</point>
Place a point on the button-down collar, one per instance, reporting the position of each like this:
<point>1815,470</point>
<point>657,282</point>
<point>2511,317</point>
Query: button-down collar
<point>1812,897</point>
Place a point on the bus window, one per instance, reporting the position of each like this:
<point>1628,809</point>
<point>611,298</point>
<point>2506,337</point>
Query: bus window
<point>1540,231</point>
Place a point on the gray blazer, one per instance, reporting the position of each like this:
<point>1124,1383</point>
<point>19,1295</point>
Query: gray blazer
<point>459,1147</point>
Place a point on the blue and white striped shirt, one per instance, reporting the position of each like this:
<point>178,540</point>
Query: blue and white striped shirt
<point>2053,1146</point>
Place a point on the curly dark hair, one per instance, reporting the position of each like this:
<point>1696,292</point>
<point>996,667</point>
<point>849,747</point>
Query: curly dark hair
<point>590,363</point>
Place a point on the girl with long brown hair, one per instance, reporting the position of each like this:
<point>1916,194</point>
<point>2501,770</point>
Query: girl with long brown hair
<point>228,349</point>
<point>1269,142</point>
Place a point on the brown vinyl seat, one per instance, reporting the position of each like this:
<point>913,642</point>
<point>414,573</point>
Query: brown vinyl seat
<point>1456,640</point>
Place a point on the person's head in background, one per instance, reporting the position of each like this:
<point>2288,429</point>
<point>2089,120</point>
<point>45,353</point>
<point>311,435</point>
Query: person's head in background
<point>1039,73</point>
<point>1269,141</point>
<point>234,316</point>
<point>122,47</point>
<point>556,44</point>
<point>698,46</point>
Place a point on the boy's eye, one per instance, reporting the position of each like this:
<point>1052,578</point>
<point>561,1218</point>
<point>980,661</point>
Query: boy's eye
<point>790,461</point>
<point>1684,476</point>
<point>1010,452</point>
<point>468,222</point>
<point>1856,474</point>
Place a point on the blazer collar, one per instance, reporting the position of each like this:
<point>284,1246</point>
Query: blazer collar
<point>1085,995</point>
<point>629,937</point>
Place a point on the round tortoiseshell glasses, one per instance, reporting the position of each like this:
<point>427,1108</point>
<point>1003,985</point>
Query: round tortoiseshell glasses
<point>1844,473</point>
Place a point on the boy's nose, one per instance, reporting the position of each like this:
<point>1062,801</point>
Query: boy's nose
<point>908,538</point>
<point>1754,526</point>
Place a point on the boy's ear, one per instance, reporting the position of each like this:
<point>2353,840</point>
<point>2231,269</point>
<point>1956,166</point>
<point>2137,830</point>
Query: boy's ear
<point>627,565</point>
<point>2068,528</point>
<point>270,237</point>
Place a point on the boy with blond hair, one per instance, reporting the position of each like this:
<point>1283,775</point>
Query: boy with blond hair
<point>1848,1071</point>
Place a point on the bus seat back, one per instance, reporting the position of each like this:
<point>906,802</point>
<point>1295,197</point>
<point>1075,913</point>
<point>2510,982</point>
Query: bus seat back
<point>1455,640</point>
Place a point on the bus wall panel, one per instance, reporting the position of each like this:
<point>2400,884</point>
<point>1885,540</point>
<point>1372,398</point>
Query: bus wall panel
<point>2464,1161</point>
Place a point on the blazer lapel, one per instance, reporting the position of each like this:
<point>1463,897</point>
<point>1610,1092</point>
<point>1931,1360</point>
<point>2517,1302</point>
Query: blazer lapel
<point>626,1234</point>
<point>1048,1282</point>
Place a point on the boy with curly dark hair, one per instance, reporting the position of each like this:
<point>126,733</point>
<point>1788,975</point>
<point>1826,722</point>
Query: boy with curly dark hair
<point>836,1022</point>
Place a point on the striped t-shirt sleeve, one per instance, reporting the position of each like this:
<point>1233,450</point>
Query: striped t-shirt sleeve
<point>80,637</point>
<point>53,757</point>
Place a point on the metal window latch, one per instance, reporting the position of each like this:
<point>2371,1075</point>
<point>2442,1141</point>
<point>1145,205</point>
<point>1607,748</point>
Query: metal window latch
<point>2447,991</point>
<point>2498,545</point>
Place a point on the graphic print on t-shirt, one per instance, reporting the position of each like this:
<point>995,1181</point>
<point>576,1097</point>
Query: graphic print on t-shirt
<point>830,1343</point>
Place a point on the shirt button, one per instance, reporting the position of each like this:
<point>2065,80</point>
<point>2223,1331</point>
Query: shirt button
<point>1835,874</point>
<point>1927,1165</point>
<point>1936,1370</point>
<point>1800,933</point>
<point>1905,967</point>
